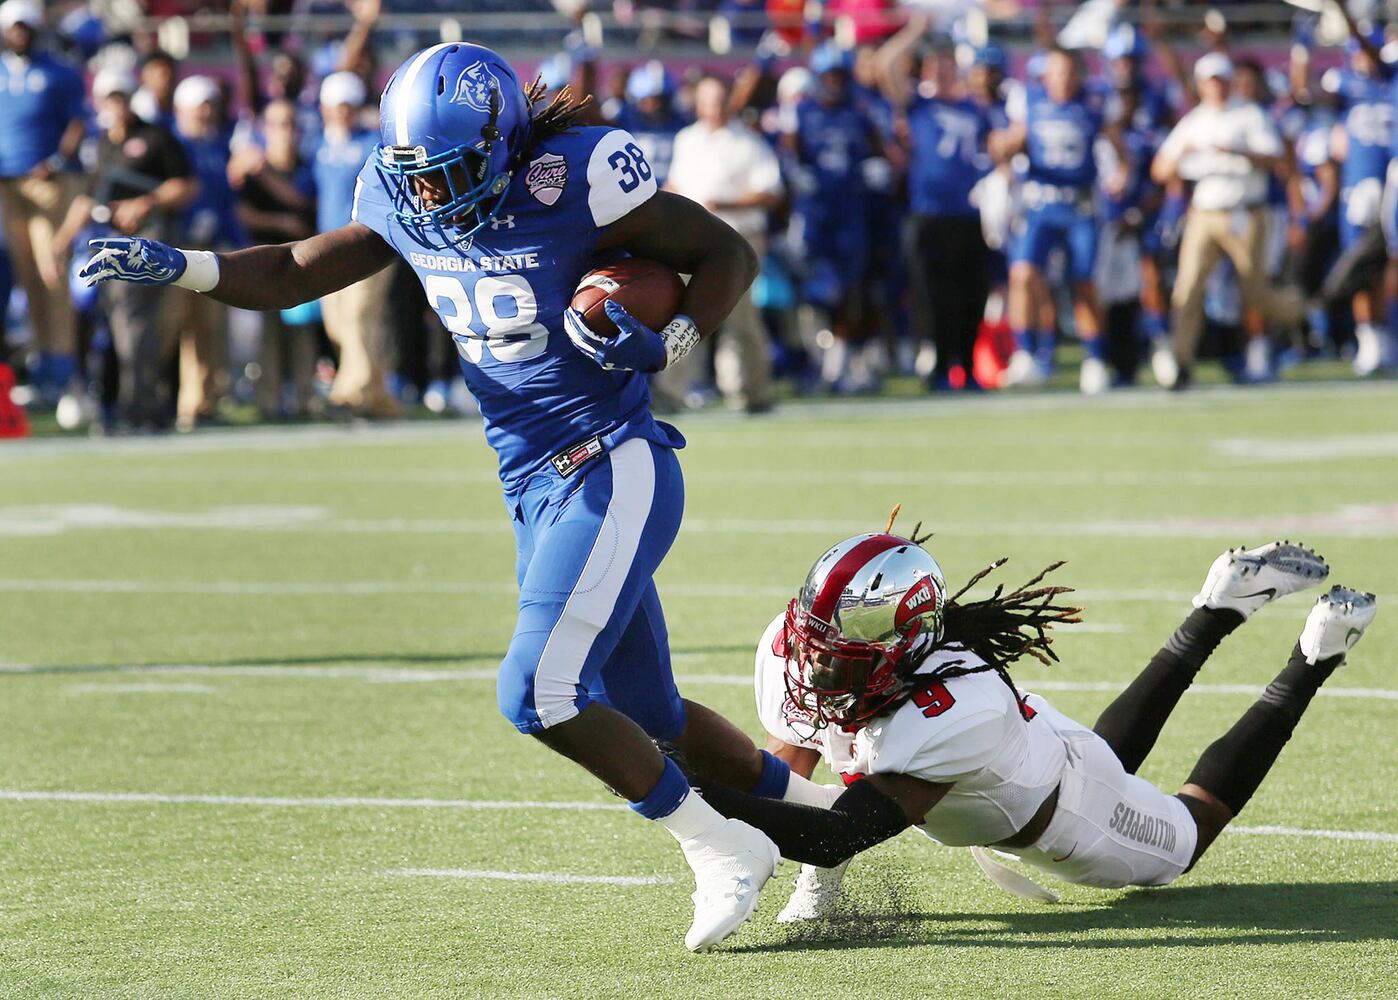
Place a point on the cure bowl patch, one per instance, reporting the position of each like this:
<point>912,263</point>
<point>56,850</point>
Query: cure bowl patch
<point>546,177</point>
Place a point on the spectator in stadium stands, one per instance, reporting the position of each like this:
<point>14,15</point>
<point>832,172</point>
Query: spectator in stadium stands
<point>277,204</point>
<point>41,126</point>
<point>355,317</point>
<point>649,114</point>
<point>828,139</point>
<point>198,324</point>
<point>1227,149</point>
<point>730,170</point>
<point>945,134</point>
<point>286,81</point>
<point>154,101</point>
<point>140,186</point>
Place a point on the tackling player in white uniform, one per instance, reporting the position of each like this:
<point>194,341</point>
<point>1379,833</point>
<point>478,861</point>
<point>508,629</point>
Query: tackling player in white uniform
<point>903,691</point>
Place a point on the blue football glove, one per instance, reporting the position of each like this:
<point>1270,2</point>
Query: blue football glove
<point>141,262</point>
<point>636,347</point>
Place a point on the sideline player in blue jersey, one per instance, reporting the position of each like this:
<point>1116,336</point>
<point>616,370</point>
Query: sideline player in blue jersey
<point>501,204</point>
<point>42,122</point>
<point>1056,127</point>
<point>945,132</point>
<point>1361,144</point>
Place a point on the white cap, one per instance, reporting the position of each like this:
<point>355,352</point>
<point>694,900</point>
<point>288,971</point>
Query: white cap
<point>14,12</point>
<point>196,90</point>
<point>113,80</point>
<point>1215,65</point>
<point>795,82</point>
<point>341,88</point>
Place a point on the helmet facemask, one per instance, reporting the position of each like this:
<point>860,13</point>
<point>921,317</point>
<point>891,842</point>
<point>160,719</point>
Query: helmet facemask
<point>454,189</point>
<point>839,681</point>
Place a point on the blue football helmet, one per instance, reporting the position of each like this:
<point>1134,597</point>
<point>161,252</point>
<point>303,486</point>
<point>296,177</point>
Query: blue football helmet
<point>454,120</point>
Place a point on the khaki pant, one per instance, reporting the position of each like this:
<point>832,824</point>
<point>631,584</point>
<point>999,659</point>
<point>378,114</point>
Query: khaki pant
<point>356,321</point>
<point>742,359</point>
<point>1242,235</point>
<point>287,355</point>
<point>33,209</point>
<point>198,325</point>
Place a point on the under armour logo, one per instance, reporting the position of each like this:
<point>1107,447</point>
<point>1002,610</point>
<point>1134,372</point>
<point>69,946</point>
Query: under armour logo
<point>742,887</point>
<point>503,222</point>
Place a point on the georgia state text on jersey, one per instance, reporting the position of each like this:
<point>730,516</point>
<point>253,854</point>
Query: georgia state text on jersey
<point>502,297</point>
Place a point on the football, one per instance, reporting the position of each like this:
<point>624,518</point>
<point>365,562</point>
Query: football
<point>650,291</point>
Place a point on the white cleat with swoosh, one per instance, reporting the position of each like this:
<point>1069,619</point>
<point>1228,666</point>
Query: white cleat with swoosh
<point>1243,580</point>
<point>1336,623</point>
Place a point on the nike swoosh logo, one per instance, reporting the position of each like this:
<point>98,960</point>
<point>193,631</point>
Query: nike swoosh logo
<point>1352,636</point>
<point>1068,855</point>
<point>1269,593</point>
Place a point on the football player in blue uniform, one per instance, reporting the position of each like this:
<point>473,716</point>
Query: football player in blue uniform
<point>944,132</point>
<point>501,203</point>
<point>1056,127</point>
<point>1360,144</point>
<point>830,143</point>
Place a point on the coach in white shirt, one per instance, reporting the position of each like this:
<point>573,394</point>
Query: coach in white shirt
<point>1227,148</point>
<point>730,170</point>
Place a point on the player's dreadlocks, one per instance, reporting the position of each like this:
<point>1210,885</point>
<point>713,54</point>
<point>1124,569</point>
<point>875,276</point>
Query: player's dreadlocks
<point>1004,626</point>
<point>558,117</point>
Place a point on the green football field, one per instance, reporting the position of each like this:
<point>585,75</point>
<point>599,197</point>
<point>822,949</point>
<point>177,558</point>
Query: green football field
<point>249,744</point>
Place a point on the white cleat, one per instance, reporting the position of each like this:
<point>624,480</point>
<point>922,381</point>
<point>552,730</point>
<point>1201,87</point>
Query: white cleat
<point>1094,378</point>
<point>730,865</point>
<point>1337,622</point>
<point>1368,353</point>
<point>816,892</point>
<point>1163,365</point>
<point>1245,579</point>
<point>1023,370</point>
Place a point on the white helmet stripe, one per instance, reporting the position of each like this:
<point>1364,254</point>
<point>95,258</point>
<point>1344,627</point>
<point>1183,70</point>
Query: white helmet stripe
<point>405,90</point>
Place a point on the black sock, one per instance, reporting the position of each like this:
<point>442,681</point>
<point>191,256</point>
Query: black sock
<point>1132,723</point>
<point>1233,766</point>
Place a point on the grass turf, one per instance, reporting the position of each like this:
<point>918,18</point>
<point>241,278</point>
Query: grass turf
<point>318,613</point>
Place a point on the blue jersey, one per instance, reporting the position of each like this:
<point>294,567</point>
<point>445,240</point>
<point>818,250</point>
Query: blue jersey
<point>1059,139</point>
<point>947,155</point>
<point>655,134</point>
<point>1140,145</point>
<point>503,297</point>
<point>39,96</point>
<point>1366,112</point>
<point>338,163</point>
<point>833,141</point>
<point>211,219</point>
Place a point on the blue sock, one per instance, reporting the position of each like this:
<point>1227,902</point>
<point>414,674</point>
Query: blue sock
<point>1319,319</point>
<point>1092,348</point>
<point>1393,317</point>
<point>1153,323</point>
<point>776,775</point>
<point>667,794</point>
<point>1043,349</point>
<point>39,368</point>
<point>62,367</point>
<point>1024,341</point>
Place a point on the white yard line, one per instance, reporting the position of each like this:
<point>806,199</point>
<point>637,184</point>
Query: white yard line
<point>1356,520</point>
<point>556,877</point>
<point>411,675</point>
<point>341,802</point>
<point>151,688</point>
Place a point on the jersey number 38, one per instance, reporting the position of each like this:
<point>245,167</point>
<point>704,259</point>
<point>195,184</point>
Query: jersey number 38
<point>501,314</point>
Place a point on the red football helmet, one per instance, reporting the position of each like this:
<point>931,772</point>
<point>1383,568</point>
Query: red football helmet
<point>865,604</point>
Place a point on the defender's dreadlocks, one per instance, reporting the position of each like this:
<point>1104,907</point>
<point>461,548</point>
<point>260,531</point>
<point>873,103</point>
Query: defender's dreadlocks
<point>558,117</point>
<point>1002,627</point>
